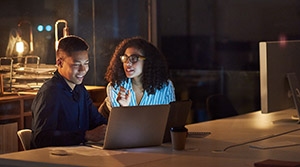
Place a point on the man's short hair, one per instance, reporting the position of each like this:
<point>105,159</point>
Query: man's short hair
<point>72,44</point>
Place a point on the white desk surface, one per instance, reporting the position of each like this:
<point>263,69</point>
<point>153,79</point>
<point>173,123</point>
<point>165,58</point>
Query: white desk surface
<point>198,152</point>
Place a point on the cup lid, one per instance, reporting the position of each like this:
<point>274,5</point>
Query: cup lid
<point>179,129</point>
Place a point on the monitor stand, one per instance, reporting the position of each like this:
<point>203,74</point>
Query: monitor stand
<point>294,87</point>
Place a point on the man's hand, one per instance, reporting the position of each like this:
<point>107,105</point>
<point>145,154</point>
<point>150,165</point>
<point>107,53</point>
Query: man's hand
<point>124,97</point>
<point>96,134</point>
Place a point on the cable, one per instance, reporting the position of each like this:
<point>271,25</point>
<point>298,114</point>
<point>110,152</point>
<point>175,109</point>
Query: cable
<point>256,140</point>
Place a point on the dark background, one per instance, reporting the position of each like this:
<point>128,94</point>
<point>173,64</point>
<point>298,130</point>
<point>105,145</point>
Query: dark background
<point>211,45</point>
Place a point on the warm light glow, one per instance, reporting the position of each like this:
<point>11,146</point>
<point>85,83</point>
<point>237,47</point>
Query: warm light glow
<point>56,45</point>
<point>264,121</point>
<point>282,40</point>
<point>20,47</point>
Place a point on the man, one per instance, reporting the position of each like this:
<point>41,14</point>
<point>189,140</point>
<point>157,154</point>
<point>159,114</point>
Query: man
<point>63,113</point>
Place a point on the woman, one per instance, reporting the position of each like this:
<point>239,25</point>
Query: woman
<point>137,75</point>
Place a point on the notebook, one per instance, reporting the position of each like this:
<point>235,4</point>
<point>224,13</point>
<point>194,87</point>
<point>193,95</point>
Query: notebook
<point>179,111</point>
<point>136,126</point>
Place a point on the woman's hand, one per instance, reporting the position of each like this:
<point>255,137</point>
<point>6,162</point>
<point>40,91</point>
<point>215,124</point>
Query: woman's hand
<point>124,97</point>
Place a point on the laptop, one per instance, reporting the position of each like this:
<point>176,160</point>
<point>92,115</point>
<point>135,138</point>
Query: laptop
<point>136,126</point>
<point>179,111</point>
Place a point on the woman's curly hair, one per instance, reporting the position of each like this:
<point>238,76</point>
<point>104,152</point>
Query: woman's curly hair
<point>155,69</point>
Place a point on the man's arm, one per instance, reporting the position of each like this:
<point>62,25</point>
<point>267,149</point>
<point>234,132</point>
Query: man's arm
<point>98,122</point>
<point>96,134</point>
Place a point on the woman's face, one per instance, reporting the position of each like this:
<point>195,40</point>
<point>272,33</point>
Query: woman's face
<point>133,70</point>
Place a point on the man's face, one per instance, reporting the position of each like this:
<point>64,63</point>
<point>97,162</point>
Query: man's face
<point>74,67</point>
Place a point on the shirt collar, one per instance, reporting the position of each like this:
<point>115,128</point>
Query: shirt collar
<point>62,83</point>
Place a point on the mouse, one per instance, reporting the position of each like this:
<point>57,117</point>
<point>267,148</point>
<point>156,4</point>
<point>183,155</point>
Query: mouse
<point>58,152</point>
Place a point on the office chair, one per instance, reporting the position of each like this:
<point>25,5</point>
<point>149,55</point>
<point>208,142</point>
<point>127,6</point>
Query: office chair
<point>219,106</point>
<point>25,137</point>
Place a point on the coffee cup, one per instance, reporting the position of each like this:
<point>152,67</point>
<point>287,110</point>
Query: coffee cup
<point>178,137</point>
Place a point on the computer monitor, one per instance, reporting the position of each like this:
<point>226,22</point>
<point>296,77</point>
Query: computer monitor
<point>277,59</point>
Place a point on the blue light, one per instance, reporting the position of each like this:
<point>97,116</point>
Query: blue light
<point>40,28</point>
<point>48,28</point>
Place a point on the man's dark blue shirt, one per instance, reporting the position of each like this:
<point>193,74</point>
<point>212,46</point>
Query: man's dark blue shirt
<point>61,116</point>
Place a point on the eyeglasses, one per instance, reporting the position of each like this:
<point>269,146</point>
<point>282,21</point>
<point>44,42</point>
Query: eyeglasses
<point>132,58</point>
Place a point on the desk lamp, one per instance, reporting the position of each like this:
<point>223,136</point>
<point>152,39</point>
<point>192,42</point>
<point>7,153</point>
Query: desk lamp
<point>65,31</point>
<point>21,46</point>
<point>30,34</point>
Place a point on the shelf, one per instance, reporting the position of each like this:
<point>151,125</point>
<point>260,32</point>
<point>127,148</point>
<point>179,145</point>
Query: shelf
<point>27,114</point>
<point>7,117</point>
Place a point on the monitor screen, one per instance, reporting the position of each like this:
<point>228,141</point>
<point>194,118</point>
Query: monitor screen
<point>277,59</point>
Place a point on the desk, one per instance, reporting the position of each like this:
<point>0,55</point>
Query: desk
<point>199,151</point>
